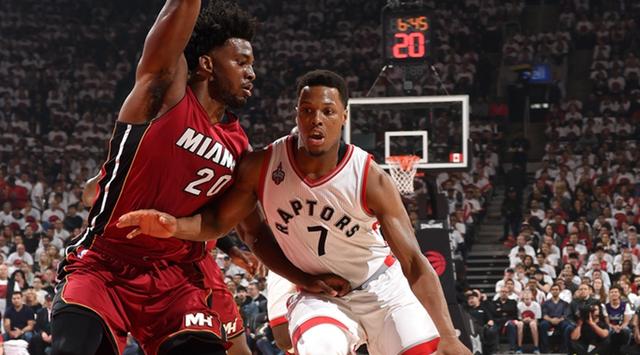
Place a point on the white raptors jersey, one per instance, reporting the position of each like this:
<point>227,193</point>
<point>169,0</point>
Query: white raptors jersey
<point>323,225</point>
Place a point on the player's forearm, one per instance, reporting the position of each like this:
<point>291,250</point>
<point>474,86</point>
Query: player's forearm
<point>425,285</point>
<point>168,36</point>
<point>200,227</point>
<point>190,228</point>
<point>267,249</point>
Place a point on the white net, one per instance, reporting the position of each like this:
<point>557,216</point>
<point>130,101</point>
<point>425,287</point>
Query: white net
<point>402,169</point>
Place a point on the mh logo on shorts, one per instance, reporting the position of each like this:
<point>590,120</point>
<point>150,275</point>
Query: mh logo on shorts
<point>230,327</point>
<point>198,319</point>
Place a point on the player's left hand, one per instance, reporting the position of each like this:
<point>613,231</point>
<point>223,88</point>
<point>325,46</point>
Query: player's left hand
<point>149,222</point>
<point>328,284</point>
<point>452,346</point>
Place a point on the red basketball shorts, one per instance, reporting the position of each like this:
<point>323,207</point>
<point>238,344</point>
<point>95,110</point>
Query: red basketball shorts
<point>154,301</point>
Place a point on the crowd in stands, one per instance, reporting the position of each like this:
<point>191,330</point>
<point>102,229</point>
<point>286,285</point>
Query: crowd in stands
<point>573,282</point>
<point>65,68</point>
<point>536,48</point>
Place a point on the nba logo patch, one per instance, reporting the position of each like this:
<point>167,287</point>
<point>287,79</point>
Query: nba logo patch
<point>278,175</point>
<point>455,158</point>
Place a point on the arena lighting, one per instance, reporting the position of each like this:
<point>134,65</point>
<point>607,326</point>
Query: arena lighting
<point>540,106</point>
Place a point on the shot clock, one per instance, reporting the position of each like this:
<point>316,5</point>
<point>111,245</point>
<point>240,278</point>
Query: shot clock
<point>406,36</point>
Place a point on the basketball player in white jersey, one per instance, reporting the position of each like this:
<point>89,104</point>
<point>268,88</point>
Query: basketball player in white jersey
<point>325,203</point>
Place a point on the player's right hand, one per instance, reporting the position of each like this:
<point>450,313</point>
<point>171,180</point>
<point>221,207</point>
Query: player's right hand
<point>149,222</point>
<point>328,284</point>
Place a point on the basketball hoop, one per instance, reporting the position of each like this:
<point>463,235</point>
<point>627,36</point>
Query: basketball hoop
<point>403,169</point>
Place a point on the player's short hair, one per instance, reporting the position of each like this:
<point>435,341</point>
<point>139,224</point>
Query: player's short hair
<point>326,78</point>
<point>217,22</point>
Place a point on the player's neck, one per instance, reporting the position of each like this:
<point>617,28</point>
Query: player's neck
<point>214,109</point>
<point>315,167</point>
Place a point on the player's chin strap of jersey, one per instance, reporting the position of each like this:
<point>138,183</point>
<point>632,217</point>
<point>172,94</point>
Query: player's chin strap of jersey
<point>381,270</point>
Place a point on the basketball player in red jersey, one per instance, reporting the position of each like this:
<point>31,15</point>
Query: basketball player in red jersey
<point>325,203</point>
<point>224,304</point>
<point>174,148</point>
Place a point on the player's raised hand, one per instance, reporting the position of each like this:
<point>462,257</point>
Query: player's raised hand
<point>452,346</point>
<point>328,284</point>
<point>149,222</point>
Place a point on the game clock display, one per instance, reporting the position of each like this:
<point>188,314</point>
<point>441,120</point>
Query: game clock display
<point>406,37</point>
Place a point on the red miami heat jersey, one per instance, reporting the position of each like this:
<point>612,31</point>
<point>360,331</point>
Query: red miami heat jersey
<point>176,163</point>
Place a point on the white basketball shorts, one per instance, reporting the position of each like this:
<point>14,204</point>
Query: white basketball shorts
<point>385,315</point>
<point>279,290</point>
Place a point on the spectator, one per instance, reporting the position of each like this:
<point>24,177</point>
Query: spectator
<point>617,316</point>
<point>565,294</point>
<point>20,255</point>
<point>508,275</point>
<point>59,233</point>
<point>53,213</point>
<point>5,214</point>
<point>41,341</point>
<point>16,281</point>
<point>634,347</point>
<point>19,320</point>
<point>30,240</point>
<point>521,242</point>
<point>581,300</point>
<point>483,319</point>
<point>529,313</point>
<point>31,300</point>
<point>512,213</point>
<point>591,331</point>
<point>600,292</point>
<point>72,220</point>
<point>509,285</point>
<point>506,316</point>
<point>4,283</point>
<point>554,320</point>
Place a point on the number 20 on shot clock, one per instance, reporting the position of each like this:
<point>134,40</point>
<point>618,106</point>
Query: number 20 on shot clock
<point>406,36</point>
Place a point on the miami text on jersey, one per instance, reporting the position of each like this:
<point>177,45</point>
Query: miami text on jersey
<point>202,146</point>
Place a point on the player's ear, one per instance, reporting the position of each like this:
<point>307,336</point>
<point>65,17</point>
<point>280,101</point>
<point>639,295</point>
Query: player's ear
<point>205,66</point>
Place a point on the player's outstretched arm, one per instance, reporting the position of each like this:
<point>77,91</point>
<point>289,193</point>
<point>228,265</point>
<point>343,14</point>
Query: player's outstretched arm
<point>161,75</point>
<point>215,220</point>
<point>384,200</point>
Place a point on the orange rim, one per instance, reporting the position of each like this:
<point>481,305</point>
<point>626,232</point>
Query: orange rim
<point>406,162</point>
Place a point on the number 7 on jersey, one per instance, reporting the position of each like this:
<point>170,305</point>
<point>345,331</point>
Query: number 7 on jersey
<point>323,237</point>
